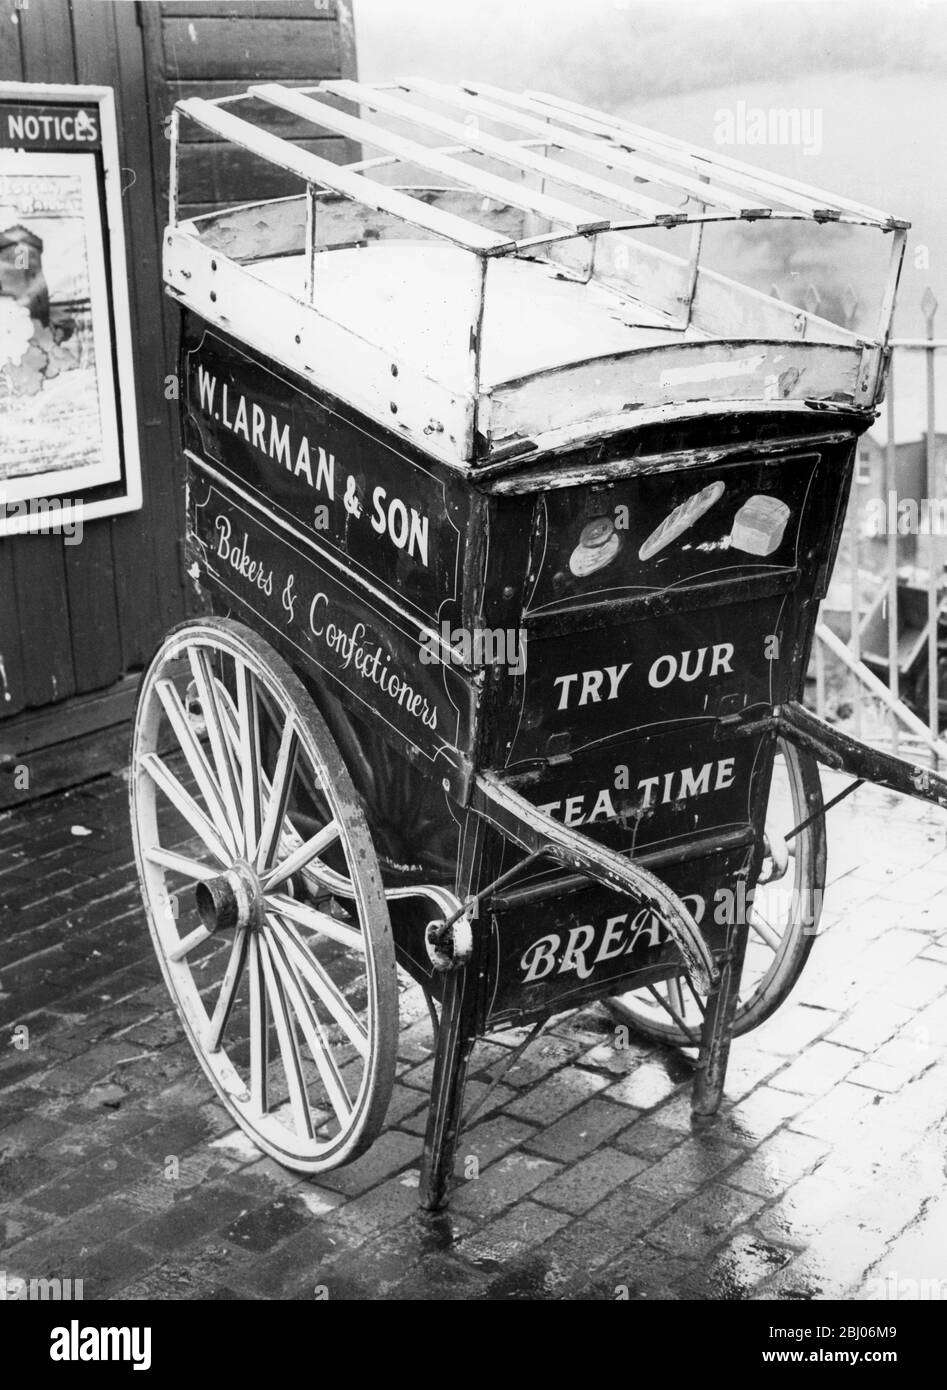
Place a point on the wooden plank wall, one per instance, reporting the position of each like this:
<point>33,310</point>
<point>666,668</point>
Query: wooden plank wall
<point>76,619</point>
<point>215,50</point>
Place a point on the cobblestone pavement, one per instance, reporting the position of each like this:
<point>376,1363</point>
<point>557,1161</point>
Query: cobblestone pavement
<point>823,1176</point>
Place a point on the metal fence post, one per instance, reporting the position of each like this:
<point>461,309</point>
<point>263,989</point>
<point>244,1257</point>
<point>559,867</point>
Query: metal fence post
<point>891,483</point>
<point>929,308</point>
<point>850,309</point>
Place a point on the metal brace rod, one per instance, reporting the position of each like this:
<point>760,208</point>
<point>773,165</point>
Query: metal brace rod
<point>675,1016</point>
<point>472,903</point>
<point>826,806</point>
<point>503,1070</point>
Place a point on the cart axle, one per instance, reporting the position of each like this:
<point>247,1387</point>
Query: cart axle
<point>233,899</point>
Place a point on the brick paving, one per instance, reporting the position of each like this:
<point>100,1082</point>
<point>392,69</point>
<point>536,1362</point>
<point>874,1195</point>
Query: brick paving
<point>821,1177</point>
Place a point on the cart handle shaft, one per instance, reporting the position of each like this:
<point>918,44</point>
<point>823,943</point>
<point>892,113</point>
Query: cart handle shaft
<point>840,751</point>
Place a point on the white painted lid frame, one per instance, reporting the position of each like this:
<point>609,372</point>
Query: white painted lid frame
<point>496,356</point>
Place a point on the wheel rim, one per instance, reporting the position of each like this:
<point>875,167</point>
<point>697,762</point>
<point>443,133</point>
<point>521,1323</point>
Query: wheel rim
<point>263,895</point>
<point>783,924</point>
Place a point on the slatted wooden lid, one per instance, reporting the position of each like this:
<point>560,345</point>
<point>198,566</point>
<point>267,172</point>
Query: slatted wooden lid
<point>602,163</point>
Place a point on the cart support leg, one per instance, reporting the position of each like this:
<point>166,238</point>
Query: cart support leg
<point>717,1032</point>
<point>455,1040</point>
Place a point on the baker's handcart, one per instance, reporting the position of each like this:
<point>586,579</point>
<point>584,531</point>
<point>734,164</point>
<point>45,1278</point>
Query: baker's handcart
<point>508,524</point>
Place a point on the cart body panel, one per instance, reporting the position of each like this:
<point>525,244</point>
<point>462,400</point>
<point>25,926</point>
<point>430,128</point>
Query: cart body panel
<point>540,515</point>
<point>623,713</point>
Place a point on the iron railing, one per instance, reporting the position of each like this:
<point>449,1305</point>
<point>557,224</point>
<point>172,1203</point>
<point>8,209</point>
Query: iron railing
<point>894,721</point>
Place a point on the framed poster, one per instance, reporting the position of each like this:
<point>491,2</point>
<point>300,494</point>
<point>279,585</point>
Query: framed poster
<point>68,426</point>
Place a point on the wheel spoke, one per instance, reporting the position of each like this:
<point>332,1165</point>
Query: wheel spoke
<point>248,724</point>
<point>666,1006</point>
<point>164,778</point>
<point>278,797</point>
<point>214,724</point>
<point>197,762</point>
<point>328,878</point>
<point>289,1047</point>
<point>676,995</point>
<point>315,921</point>
<point>701,1006</point>
<point>179,863</point>
<point>299,858</point>
<point>322,985</point>
<point>259,1031</point>
<point>228,990</point>
<point>187,943</point>
<point>313,1032</point>
<point>763,930</point>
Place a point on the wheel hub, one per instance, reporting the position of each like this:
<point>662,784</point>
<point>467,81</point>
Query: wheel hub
<point>231,901</point>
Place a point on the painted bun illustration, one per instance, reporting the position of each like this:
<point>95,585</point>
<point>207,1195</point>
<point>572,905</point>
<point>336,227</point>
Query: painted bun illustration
<point>598,545</point>
<point>681,519</point>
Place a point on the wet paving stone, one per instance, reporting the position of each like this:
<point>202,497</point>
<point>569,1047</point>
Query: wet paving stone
<point>489,1140</point>
<point>24,1175</point>
<point>549,1100</point>
<point>379,1265</point>
<point>441,1278</point>
<point>108,1268</point>
<point>268,1225</point>
<point>502,1183</point>
<point>690,1165</point>
<point>704,1221</point>
<point>778,1162</point>
<point>17,1224</point>
<point>193,1216</point>
<point>527,1224</point>
<point>391,1153</point>
<point>172,1137</point>
<point>736,1270</point>
<point>586,1183</point>
<point>642,1273</point>
<point>564,1264</point>
<point>581,1131</point>
<point>104,1221</point>
<point>648,1138</point>
<point>190,1276</point>
<point>102,1175</point>
<point>372,1212</point>
<point>29,1133</point>
<point>648,1085</point>
<point>540,1061</point>
<point>298,1268</point>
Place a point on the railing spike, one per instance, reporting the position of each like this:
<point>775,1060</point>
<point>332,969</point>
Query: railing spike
<point>929,305</point>
<point>849,303</point>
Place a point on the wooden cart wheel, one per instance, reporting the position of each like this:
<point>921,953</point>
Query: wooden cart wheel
<point>263,895</point>
<point>785,917</point>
